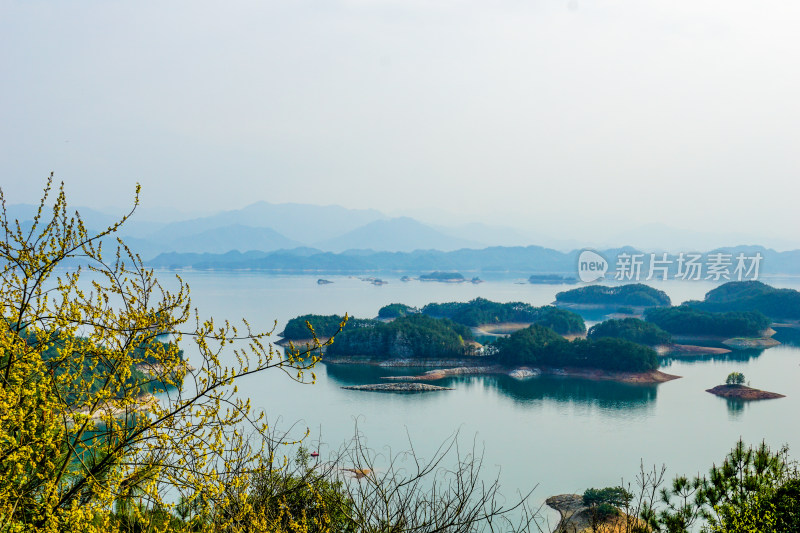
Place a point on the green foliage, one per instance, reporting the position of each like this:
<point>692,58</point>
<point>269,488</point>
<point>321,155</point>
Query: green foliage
<point>324,325</point>
<point>481,311</point>
<point>396,310</point>
<point>786,505</point>
<point>538,345</point>
<point>632,294</point>
<point>735,378</point>
<point>616,496</point>
<point>282,494</point>
<point>690,321</point>
<point>631,329</point>
<point>752,296</point>
<point>533,345</point>
<point>560,320</point>
<point>418,336</point>
<point>753,490</point>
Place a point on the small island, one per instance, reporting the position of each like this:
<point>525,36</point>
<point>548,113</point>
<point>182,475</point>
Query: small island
<point>738,330</point>
<point>743,392</point>
<point>444,277</point>
<point>735,389</point>
<point>321,281</point>
<point>633,295</point>
<point>777,304</point>
<point>649,334</point>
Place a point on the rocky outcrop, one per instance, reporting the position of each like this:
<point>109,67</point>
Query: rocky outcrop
<point>579,518</point>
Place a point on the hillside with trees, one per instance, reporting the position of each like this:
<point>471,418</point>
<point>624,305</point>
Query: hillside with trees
<point>686,320</point>
<point>632,294</point>
<point>630,329</point>
<point>777,304</point>
<point>396,311</point>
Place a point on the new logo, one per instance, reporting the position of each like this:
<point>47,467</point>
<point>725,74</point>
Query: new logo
<point>591,266</point>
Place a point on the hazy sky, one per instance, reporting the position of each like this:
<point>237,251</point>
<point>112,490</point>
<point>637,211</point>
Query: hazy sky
<point>595,112</point>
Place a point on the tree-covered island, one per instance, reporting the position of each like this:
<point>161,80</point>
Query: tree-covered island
<point>777,304</point>
<point>631,295</point>
<point>685,320</point>
<point>541,346</point>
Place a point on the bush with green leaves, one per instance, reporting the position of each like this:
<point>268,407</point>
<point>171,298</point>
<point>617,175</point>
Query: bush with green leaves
<point>735,378</point>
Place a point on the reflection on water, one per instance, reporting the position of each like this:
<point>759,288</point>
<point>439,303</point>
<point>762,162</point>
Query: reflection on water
<point>347,375</point>
<point>604,394</point>
<point>735,356</point>
<point>735,407</point>
<point>788,336</point>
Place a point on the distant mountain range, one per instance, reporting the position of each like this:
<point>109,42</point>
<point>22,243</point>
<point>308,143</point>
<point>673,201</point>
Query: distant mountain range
<point>493,260</point>
<point>269,227</point>
<point>333,238</point>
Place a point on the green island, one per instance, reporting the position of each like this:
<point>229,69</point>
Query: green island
<point>734,388</point>
<point>631,329</point>
<point>738,330</point>
<point>540,346</point>
<point>777,304</point>
<point>446,277</point>
<point>630,295</point>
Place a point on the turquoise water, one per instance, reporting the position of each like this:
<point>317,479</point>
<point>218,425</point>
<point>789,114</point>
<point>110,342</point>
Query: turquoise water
<point>557,434</point>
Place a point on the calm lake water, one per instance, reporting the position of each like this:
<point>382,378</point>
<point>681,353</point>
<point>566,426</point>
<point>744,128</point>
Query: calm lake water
<point>558,434</point>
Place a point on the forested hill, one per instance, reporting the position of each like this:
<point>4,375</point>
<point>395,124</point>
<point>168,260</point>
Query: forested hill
<point>527,260</point>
